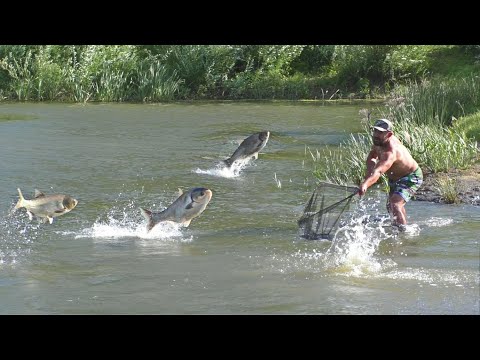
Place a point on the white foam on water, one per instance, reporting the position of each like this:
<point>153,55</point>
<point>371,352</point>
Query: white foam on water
<point>277,181</point>
<point>353,251</point>
<point>354,248</point>
<point>115,229</point>
<point>221,170</point>
<point>412,230</point>
<point>18,234</point>
<point>437,222</point>
<point>441,277</point>
<point>127,222</point>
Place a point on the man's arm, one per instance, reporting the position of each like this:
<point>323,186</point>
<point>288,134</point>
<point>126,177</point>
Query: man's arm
<point>374,171</point>
<point>371,162</point>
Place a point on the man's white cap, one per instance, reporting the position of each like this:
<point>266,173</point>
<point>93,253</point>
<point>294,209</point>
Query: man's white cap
<point>383,125</point>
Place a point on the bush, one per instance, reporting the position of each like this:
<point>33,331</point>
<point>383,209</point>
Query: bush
<point>469,125</point>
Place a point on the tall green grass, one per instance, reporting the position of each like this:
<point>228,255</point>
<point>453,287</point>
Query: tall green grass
<point>434,102</point>
<point>113,86</point>
<point>436,149</point>
<point>21,74</point>
<point>83,73</point>
<point>155,84</point>
<point>470,125</point>
<point>344,164</point>
<point>448,189</point>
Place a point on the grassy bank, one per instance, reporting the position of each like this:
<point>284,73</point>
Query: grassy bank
<point>159,73</point>
<point>427,118</point>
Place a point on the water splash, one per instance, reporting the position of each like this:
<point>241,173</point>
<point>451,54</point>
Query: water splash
<point>436,222</point>
<point>354,248</point>
<point>115,229</point>
<point>277,181</point>
<point>441,277</point>
<point>18,234</point>
<point>126,221</point>
<point>353,251</point>
<point>221,170</point>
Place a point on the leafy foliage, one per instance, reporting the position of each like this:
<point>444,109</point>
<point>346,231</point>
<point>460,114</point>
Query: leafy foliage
<point>83,73</point>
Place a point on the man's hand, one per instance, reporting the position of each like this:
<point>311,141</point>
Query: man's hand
<point>362,189</point>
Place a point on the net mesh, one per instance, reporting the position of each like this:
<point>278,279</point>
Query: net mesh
<point>324,209</point>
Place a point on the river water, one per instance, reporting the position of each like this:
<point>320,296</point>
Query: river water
<point>244,253</point>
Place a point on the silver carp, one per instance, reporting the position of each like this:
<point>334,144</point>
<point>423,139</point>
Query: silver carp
<point>187,206</point>
<point>46,207</point>
<point>249,148</point>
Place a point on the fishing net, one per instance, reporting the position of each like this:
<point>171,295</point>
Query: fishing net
<point>324,209</point>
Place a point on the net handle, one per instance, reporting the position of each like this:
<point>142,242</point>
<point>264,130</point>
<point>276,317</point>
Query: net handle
<point>354,189</point>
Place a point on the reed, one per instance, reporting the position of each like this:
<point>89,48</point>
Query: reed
<point>154,83</point>
<point>78,75</point>
<point>344,164</point>
<point>111,69</point>
<point>49,78</point>
<point>470,125</point>
<point>113,86</point>
<point>436,149</point>
<point>434,102</point>
<point>195,65</point>
<point>448,189</point>
<point>21,83</point>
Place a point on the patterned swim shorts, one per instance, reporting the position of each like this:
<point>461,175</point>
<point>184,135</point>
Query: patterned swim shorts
<point>408,185</point>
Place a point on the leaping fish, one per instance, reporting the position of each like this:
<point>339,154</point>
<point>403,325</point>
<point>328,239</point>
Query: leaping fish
<point>46,207</point>
<point>249,148</point>
<point>187,206</point>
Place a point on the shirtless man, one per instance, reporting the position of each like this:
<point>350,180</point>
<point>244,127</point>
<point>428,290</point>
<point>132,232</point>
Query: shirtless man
<point>389,156</point>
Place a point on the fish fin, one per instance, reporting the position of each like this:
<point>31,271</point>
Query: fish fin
<point>189,206</point>
<point>38,194</point>
<point>20,201</point>
<point>147,214</point>
<point>186,223</point>
<point>30,215</point>
<point>59,211</point>
<point>50,219</point>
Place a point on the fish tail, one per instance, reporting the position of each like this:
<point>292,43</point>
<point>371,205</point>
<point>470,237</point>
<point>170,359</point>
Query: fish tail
<point>147,214</point>
<point>21,200</point>
<point>228,162</point>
